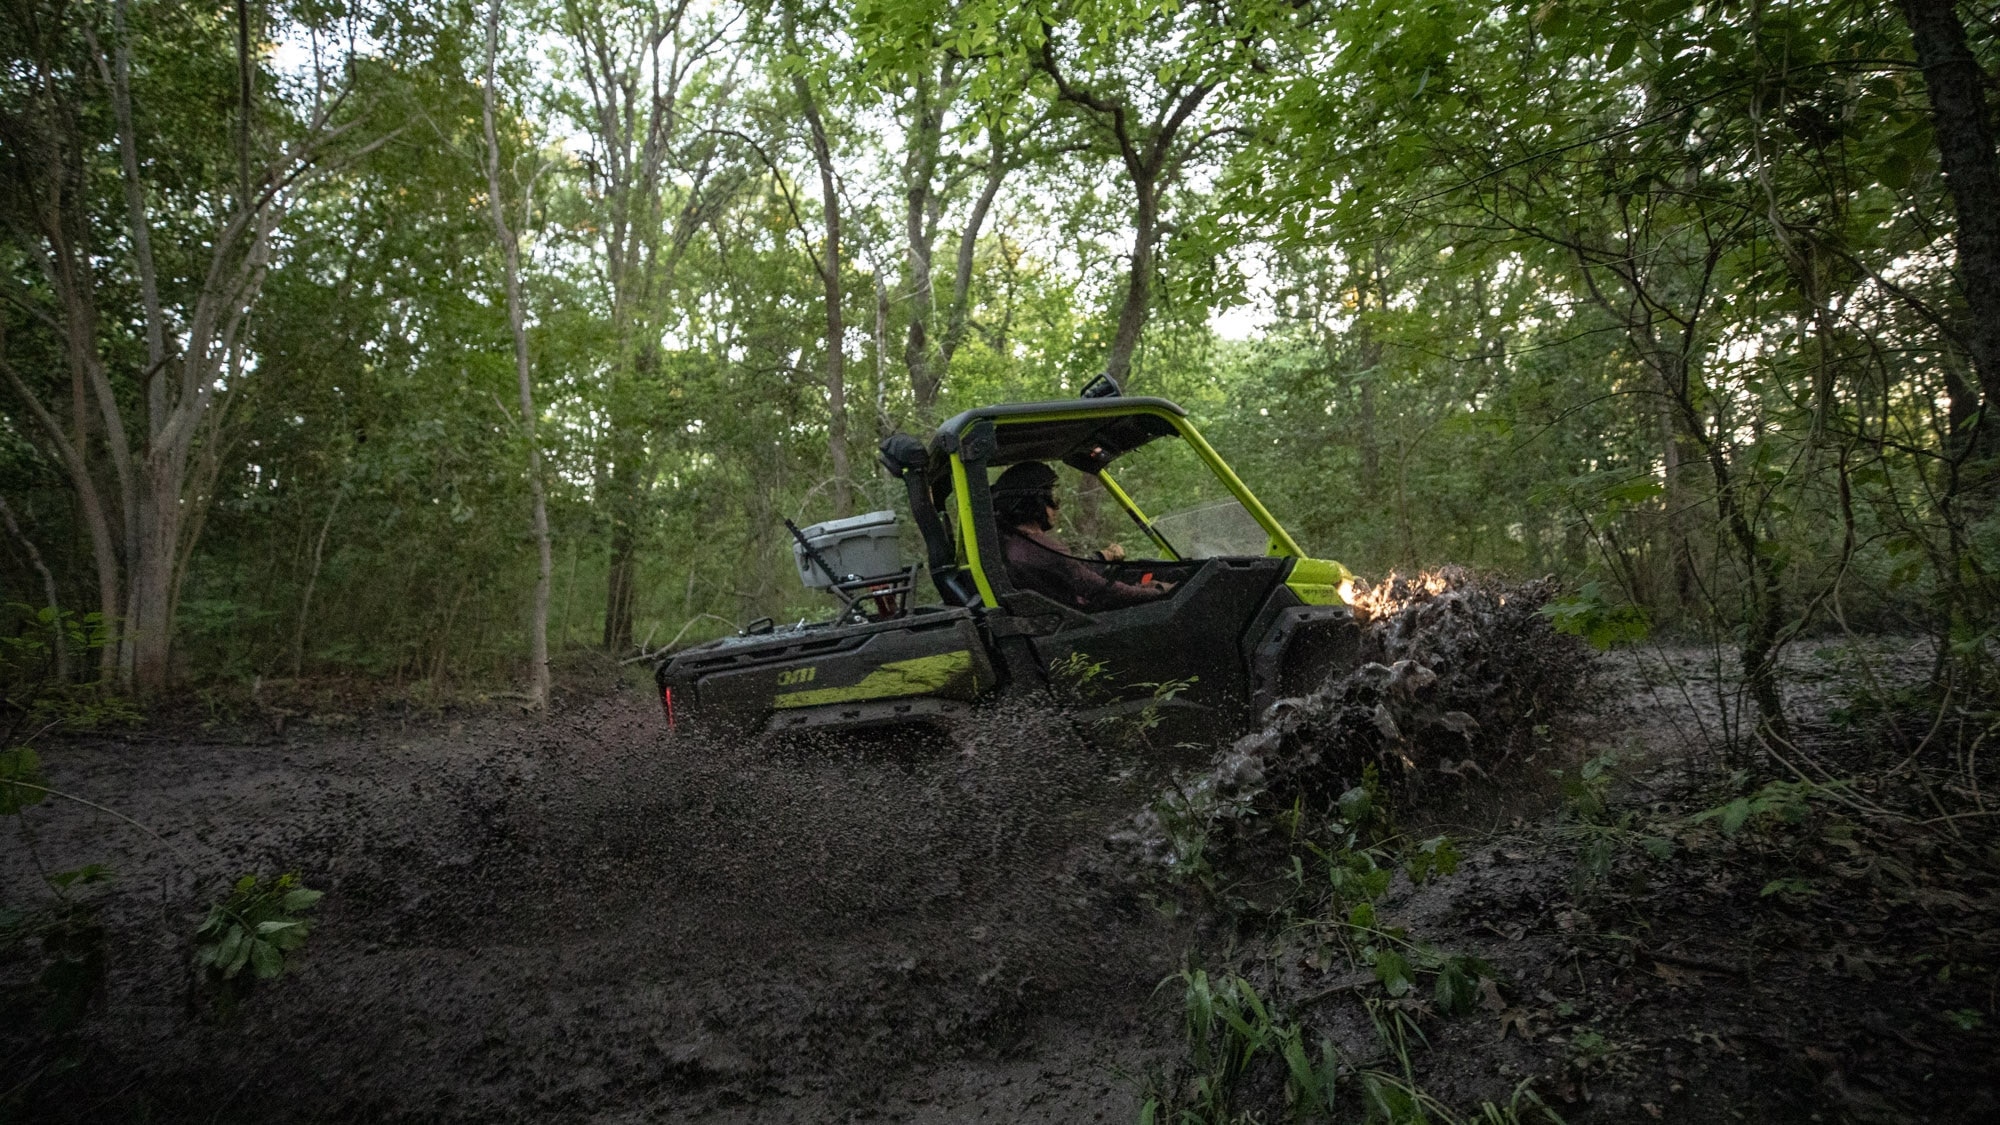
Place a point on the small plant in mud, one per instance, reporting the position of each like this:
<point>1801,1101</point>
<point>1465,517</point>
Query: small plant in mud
<point>258,927</point>
<point>1774,803</point>
<point>1244,1059</point>
<point>1081,683</point>
<point>1229,1029</point>
<point>1602,831</point>
<point>1400,963</point>
<point>68,939</point>
<point>63,931</point>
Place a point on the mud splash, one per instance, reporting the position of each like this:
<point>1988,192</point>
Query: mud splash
<point>579,918</point>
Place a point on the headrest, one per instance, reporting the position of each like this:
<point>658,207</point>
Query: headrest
<point>903,455</point>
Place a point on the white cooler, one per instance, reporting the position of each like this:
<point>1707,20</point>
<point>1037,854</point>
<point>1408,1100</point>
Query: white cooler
<point>863,546</point>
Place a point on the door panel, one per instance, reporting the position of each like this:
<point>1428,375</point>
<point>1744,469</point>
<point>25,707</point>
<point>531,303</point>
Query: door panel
<point>1195,633</point>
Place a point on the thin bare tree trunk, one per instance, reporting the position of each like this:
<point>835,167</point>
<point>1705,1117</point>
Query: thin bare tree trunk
<point>312,580</point>
<point>836,331</point>
<point>1370,354</point>
<point>1132,312</point>
<point>635,77</point>
<point>61,641</point>
<point>510,251</point>
<point>1150,154</point>
<point>920,158</point>
<point>958,314</point>
<point>96,523</point>
<point>882,427</point>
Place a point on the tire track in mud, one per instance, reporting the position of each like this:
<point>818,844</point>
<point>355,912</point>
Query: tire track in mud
<point>578,917</point>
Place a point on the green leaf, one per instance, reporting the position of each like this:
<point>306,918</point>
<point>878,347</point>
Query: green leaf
<point>83,876</point>
<point>1456,990</point>
<point>1734,814</point>
<point>266,960</point>
<point>1393,970</point>
<point>1622,49</point>
<point>229,952</point>
<point>301,899</point>
<point>1355,804</point>
<point>20,768</point>
<point>1791,886</point>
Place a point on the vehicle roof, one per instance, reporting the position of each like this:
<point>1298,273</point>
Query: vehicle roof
<point>1083,431</point>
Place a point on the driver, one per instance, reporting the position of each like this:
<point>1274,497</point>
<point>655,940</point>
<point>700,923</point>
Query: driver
<point>1024,503</point>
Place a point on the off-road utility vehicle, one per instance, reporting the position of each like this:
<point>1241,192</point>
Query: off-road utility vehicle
<point>1249,618</point>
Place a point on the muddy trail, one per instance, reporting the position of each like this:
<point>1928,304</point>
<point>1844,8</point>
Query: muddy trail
<point>1487,876</point>
<point>578,918</point>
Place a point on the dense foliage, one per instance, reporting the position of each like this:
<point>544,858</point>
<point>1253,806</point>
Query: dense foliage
<point>1694,305</point>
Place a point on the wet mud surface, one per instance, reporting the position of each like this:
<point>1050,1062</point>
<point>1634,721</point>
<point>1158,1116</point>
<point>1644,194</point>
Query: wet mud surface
<point>577,918</point>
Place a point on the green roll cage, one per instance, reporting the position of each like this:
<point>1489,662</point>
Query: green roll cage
<point>1314,581</point>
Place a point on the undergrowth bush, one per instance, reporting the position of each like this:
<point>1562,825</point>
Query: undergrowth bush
<point>1295,831</point>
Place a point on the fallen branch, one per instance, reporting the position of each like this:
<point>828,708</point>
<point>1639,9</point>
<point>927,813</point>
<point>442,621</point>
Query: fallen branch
<point>669,646</point>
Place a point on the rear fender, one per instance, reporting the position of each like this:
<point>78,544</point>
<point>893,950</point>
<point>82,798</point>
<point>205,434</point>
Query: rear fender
<point>934,656</point>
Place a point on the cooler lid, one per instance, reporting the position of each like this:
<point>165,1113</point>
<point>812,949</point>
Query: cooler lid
<point>863,522</point>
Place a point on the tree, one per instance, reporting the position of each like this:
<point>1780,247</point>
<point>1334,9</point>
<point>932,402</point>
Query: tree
<point>510,255</point>
<point>197,248</point>
<point>1136,77</point>
<point>1962,122</point>
<point>644,93</point>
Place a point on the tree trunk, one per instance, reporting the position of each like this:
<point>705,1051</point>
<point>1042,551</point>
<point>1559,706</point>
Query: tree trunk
<point>103,552</point>
<point>1759,650</point>
<point>1962,124</point>
<point>958,316</point>
<point>620,579</point>
<point>1682,579</point>
<point>510,251</point>
<point>312,580</point>
<point>152,572</point>
<point>836,331</point>
<point>1370,355</point>
<point>920,160</point>
<point>1139,287</point>
<point>60,641</point>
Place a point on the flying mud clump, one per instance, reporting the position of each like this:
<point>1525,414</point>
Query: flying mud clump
<point>1461,678</point>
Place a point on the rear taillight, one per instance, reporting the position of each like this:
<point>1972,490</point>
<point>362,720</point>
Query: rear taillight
<point>667,702</point>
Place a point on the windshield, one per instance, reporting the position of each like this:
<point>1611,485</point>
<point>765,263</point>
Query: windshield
<point>1216,529</point>
<point>1191,510</point>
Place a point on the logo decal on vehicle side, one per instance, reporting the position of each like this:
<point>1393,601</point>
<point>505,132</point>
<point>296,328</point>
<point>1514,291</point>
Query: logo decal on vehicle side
<point>920,676</point>
<point>797,676</point>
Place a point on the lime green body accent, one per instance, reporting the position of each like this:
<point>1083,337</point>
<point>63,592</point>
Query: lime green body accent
<point>1282,543</point>
<point>1132,509</point>
<point>969,545</point>
<point>923,675</point>
<point>1318,581</point>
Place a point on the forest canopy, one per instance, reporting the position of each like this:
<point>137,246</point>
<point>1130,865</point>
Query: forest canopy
<point>338,337</point>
